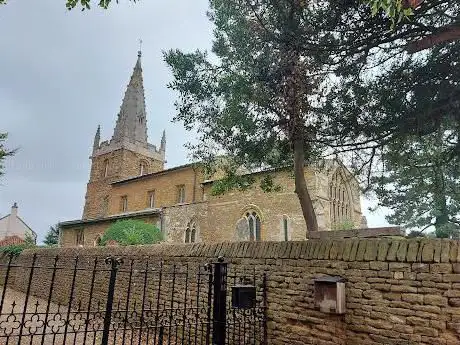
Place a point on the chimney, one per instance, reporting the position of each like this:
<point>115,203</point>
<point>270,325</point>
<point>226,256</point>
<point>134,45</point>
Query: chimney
<point>14,210</point>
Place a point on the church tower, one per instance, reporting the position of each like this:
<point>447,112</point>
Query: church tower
<point>128,154</point>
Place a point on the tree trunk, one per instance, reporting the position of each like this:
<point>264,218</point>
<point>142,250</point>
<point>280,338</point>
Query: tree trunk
<point>445,34</point>
<point>301,187</point>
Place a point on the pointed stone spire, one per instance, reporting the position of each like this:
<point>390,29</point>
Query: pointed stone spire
<point>163,142</point>
<point>97,138</point>
<point>132,120</point>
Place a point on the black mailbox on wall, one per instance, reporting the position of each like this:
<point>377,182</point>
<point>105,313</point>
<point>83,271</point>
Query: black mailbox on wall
<point>330,294</point>
<point>243,296</point>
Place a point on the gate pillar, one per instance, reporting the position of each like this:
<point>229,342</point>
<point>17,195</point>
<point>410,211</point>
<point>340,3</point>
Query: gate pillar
<point>219,314</point>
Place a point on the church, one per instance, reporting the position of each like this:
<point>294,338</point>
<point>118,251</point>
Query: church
<point>128,180</point>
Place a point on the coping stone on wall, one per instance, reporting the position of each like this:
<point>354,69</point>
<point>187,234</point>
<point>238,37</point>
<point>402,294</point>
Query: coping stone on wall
<point>375,249</point>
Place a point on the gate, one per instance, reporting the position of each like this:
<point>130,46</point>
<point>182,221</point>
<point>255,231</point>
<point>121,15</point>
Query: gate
<point>140,301</point>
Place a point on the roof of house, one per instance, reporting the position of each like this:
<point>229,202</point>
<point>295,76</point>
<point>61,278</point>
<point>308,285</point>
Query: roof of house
<point>111,218</point>
<point>24,223</point>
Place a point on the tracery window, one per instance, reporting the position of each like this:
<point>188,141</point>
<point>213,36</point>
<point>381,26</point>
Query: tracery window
<point>191,233</point>
<point>340,199</point>
<point>253,220</point>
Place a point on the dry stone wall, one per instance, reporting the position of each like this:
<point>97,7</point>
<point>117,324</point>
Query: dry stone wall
<point>398,291</point>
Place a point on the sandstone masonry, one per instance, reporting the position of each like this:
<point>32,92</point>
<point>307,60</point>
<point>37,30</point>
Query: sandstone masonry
<point>398,291</point>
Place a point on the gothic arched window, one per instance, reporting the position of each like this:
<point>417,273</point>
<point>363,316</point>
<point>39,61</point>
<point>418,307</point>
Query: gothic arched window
<point>106,168</point>
<point>340,199</point>
<point>285,228</point>
<point>253,220</point>
<point>191,233</point>
<point>142,168</point>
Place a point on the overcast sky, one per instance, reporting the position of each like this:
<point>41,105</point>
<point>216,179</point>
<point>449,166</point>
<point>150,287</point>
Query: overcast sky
<point>62,73</point>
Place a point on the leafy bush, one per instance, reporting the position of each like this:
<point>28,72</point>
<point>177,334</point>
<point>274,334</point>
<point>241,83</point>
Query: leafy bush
<point>14,249</point>
<point>346,224</point>
<point>131,232</point>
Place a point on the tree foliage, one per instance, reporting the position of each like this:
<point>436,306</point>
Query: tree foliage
<point>253,98</point>
<point>52,236</point>
<point>403,106</point>
<point>421,184</point>
<point>132,232</point>
<point>4,152</point>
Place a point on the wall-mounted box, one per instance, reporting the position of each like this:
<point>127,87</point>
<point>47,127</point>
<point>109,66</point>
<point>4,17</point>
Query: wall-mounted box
<point>243,296</point>
<point>330,294</point>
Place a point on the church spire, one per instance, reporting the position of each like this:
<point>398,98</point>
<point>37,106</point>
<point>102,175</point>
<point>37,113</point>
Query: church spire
<point>132,121</point>
<point>97,138</point>
<point>163,142</point>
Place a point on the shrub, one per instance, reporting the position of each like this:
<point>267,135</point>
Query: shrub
<point>132,232</point>
<point>14,249</point>
<point>346,224</point>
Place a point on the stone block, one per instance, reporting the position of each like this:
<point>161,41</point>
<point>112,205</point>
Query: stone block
<point>410,275</point>
<point>382,251</point>
<point>445,250</point>
<point>437,250</point>
<point>372,294</point>
<point>412,298</point>
<point>379,324</point>
<point>385,274</point>
<point>435,277</point>
<point>417,321</point>
<point>391,256</point>
<point>431,332</point>
<point>371,250</point>
<point>360,265</point>
<point>392,296</point>
<point>398,275</point>
<point>353,250</point>
<point>452,293</point>
<point>454,302</point>
<point>441,268</point>
<point>402,251</point>
<point>355,293</point>
<point>435,300</point>
<point>412,250</point>
<point>453,251</point>
<point>362,285</point>
<point>452,278</point>
<point>381,287</point>
<point>378,265</point>
<point>431,309</point>
<point>403,328</point>
<point>428,251</point>
<point>399,266</point>
<point>419,267</point>
<point>347,249</point>
<point>403,288</point>
<point>456,267</point>
<point>334,250</point>
<point>361,250</point>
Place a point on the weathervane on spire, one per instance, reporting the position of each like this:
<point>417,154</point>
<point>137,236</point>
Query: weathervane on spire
<point>139,53</point>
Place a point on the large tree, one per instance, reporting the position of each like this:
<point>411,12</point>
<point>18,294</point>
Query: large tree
<point>254,97</point>
<point>402,105</point>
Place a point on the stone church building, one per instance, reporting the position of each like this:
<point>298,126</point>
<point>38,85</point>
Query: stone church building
<point>128,179</point>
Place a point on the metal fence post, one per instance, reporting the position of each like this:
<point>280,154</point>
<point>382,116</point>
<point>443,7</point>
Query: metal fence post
<point>114,265</point>
<point>219,313</point>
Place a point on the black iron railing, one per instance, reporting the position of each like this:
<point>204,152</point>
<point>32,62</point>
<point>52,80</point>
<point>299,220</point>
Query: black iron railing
<point>137,301</point>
